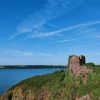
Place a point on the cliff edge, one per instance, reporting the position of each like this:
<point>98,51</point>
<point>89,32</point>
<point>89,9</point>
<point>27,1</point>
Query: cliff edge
<point>67,84</point>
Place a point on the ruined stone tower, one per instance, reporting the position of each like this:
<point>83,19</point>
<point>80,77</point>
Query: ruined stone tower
<point>76,63</point>
<point>76,60</point>
<point>77,67</point>
<point>82,59</point>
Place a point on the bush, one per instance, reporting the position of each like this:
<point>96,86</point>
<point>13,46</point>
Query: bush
<point>90,64</point>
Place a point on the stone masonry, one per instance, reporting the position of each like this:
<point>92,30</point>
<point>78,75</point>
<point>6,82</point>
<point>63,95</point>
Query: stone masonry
<point>76,65</point>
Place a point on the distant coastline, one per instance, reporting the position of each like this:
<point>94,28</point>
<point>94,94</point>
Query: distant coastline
<point>31,66</point>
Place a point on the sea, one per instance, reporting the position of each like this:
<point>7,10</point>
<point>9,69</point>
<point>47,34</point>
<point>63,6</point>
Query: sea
<point>11,77</point>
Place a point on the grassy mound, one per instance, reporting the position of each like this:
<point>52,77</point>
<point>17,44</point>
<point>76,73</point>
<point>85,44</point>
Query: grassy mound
<point>56,86</point>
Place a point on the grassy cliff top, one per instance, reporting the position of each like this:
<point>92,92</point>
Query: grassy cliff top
<point>59,85</point>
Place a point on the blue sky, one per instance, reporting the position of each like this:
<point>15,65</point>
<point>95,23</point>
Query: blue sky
<point>48,31</point>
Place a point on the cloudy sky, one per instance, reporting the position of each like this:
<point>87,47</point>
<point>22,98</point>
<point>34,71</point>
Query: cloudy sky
<point>48,31</point>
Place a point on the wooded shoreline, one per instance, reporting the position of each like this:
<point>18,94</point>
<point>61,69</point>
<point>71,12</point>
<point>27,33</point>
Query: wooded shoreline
<point>31,66</point>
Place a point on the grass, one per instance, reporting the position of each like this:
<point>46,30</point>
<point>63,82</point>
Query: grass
<point>62,85</point>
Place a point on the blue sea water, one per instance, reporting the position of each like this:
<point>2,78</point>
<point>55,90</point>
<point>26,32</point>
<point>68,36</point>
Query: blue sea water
<point>10,77</point>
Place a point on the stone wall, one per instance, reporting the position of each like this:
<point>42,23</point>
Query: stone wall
<point>76,65</point>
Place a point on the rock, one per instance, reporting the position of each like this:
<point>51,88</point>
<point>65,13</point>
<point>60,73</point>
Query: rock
<point>43,95</point>
<point>18,94</point>
<point>86,97</point>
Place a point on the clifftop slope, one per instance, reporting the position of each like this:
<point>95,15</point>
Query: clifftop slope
<point>60,85</point>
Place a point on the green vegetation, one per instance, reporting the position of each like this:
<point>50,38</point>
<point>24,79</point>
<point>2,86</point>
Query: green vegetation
<point>91,64</point>
<point>60,85</point>
<point>95,68</point>
<point>30,66</point>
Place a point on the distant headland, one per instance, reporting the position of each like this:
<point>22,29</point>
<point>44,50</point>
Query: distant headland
<point>30,66</point>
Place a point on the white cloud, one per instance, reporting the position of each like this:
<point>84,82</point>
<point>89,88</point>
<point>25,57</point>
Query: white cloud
<point>93,35</point>
<point>86,45</point>
<point>27,53</point>
<point>44,54</point>
<point>23,53</point>
<point>77,26</point>
<point>34,26</point>
<point>98,36</point>
<point>66,40</point>
<point>36,22</point>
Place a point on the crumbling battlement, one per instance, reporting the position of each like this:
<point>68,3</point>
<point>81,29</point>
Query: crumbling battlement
<point>76,65</point>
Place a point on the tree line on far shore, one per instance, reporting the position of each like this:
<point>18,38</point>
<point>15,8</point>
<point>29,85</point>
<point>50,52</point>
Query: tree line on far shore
<point>31,66</point>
